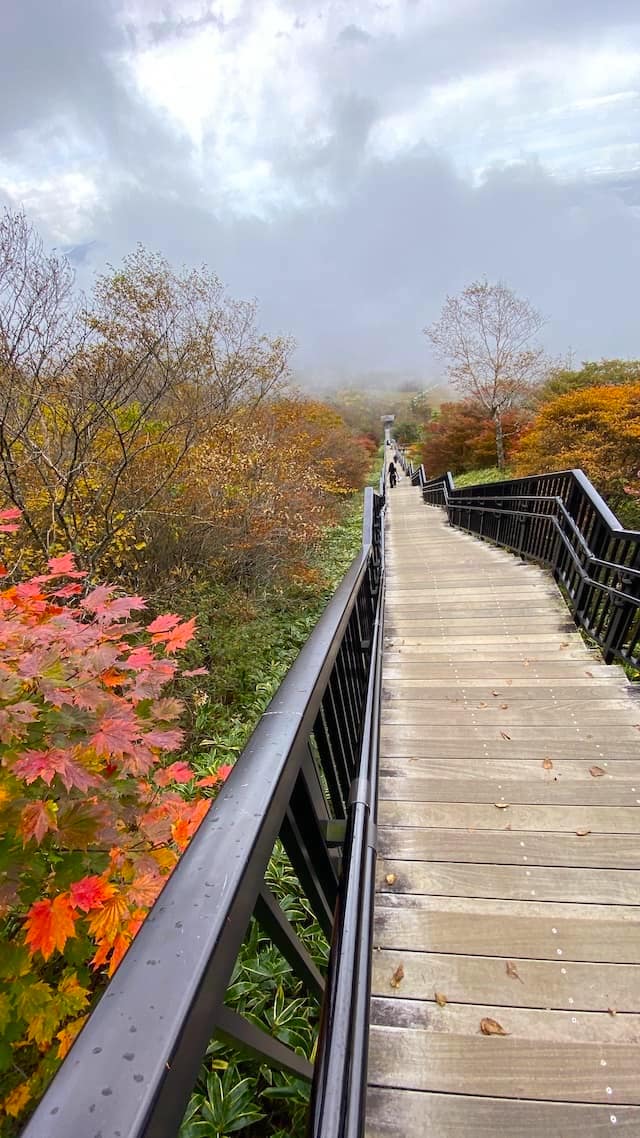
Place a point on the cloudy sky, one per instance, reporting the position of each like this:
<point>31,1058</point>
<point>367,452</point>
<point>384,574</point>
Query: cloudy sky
<point>348,163</point>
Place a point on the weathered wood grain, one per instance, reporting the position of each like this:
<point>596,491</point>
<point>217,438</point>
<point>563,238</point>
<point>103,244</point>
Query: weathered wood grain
<point>542,984</point>
<point>490,861</point>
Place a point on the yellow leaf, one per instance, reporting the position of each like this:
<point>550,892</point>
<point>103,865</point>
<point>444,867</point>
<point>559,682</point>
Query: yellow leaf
<point>16,1101</point>
<point>441,999</point>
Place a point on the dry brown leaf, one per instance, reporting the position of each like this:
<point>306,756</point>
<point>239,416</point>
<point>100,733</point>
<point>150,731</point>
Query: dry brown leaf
<point>441,999</point>
<point>565,644</point>
<point>547,763</point>
<point>508,827</point>
<point>597,772</point>
<point>504,735</point>
<point>398,977</point>
<point>512,971</point>
<point>589,674</point>
<point>582,833</point>
<point>504,706</point>
<point>390,878</point>
<point>501,805</point>
<point>497,692</point>
<point>492,1027</point>
<point>482,703</point>
<point>612,1011</point>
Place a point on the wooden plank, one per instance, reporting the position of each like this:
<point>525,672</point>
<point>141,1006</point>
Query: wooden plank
<point>515,882</point>
<point>485,980</point>
<point>504,848</point>
<point>536,747</point>
<point>514,929</point>
<point>537,713</point>
<point>555,790</point>
<point>418,733</point>
<point>480,816</point>
<point>553,1025</point>
<point>504,1067</point>
<point>393,1113</point>
<point>577,690</point>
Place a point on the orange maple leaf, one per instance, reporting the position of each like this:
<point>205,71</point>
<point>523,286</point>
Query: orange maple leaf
<point>50,924</point>
<point>180,832</point>
<point>106,922</point>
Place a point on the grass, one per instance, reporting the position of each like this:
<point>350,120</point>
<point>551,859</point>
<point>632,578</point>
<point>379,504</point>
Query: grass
<point>488,474</point>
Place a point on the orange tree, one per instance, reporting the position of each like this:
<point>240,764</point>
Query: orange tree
<point>93,812</point>
<point>598,429</point>
<point>259,492</point>
<point>462,437</point>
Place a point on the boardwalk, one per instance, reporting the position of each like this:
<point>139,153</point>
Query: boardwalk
<point>509,855</point>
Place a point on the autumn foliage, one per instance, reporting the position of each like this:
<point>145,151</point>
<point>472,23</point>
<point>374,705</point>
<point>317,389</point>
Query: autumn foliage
<point>597,429</point>
<point>93,812</point>
<point>462,437</point>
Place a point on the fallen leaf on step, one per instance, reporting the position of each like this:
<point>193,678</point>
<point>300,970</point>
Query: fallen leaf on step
<point>512,971</point>
<point>597,772</point>
<point>582,833</point>
<point>504,706</point>
<point>589,674</point>
<point>496,692</point>
<point>547,763</point>
<point>492,1027</point>
<point>501,805</point>
<point>441,1000</point>
<point>504,735</point>
<point>390,878</point>
<point>612,1011</point>
<point>482,703</point>
<point>398,977</point>
<point>508,827</point>
<point>509,682</point>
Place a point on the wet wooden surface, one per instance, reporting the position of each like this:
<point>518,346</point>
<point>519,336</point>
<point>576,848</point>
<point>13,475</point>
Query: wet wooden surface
<point>508,888</point>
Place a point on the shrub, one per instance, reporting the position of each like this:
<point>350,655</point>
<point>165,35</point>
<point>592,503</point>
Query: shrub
<point>93,812</point>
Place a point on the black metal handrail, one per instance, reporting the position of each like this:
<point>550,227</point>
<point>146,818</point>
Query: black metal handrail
<point>560,521</point>
<point>307,776</point>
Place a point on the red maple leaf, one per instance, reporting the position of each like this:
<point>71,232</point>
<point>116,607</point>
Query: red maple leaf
<point>175,772</point>
<point>163,623</point>
<point>168,740</point>
<point>36,820</point>
<point>61,566</point>
<point>91,893</point>
<point>47,764</point>
<point>140,658</point>
<point>49,925</point>
<point>116,735</point>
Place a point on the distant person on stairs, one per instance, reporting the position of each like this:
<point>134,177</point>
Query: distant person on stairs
<point>393,475</point>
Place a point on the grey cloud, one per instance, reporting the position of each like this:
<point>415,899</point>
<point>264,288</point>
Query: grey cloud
<point>356,272</point>
<point>355,282</point>
<point>352,34</point>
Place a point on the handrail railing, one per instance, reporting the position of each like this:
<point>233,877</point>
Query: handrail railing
<point>307,776</point>
<point>560,521</point>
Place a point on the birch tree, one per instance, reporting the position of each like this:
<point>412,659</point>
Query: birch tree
<point>486,335</point>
